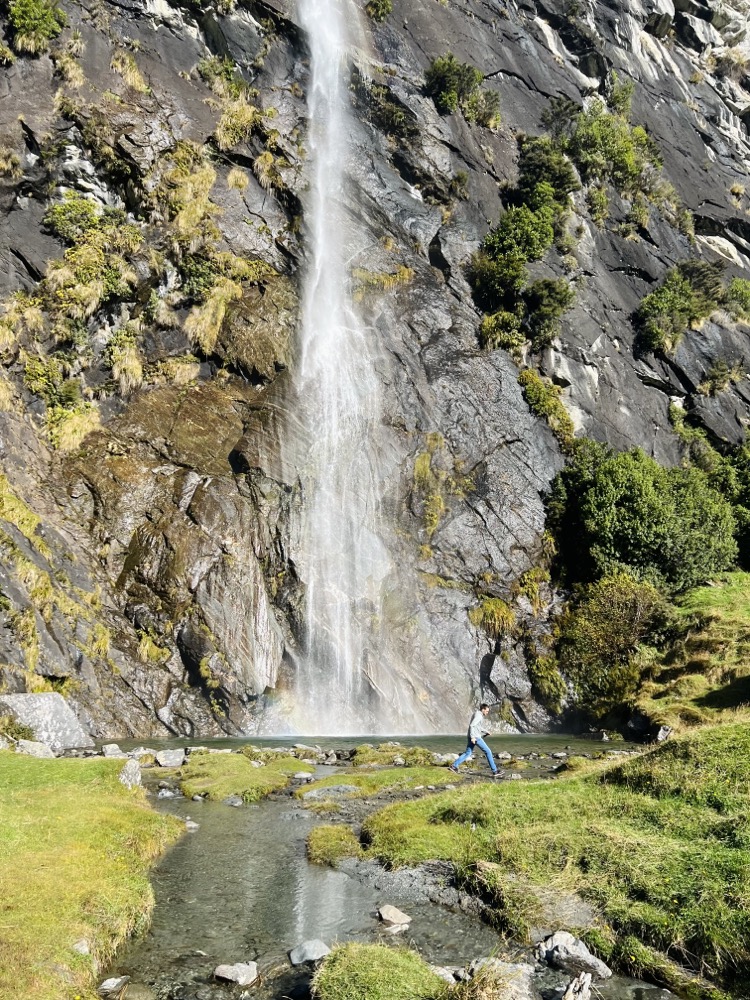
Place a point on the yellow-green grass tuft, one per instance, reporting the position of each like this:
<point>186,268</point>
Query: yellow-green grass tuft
<point>76,847</point>
<point>376,972</point>
<point>327,845</point>
<point>384,754</point>
<point>217,776</point>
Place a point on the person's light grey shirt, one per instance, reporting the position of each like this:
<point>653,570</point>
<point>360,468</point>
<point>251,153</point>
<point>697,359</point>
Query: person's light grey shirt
<point>476,726</point>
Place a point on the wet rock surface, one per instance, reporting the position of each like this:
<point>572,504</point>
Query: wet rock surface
<point>169,542</point>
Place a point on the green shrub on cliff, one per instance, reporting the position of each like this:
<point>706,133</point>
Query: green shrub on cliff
<point>378,10</point>
<point>546,300</point>
<point>612,511</point>
<point>455,86</point>
<point>688,294</point>
<point>34,23</point>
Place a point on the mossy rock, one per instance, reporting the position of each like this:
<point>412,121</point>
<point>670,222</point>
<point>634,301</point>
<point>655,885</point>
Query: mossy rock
<point>257,334</point>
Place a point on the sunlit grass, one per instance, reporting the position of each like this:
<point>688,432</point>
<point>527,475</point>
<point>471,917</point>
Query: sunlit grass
<point>75,851</point>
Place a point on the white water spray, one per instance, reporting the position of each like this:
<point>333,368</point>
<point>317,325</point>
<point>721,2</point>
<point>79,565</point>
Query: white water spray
<point>342,559</point>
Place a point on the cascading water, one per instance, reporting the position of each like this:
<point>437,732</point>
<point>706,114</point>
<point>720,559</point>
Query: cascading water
<point>341,557</point>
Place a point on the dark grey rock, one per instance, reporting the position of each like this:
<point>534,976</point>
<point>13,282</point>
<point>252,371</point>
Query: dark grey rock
<point>233,800</point>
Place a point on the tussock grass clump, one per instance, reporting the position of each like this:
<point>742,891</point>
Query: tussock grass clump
<point>376,972</point>
<point>123,62</point>
<point>385,754</point>
<point>326,845</point>
<point>238,117</point>
<point>217,776</point>
<point>84,844</point>
<point>659,845</point>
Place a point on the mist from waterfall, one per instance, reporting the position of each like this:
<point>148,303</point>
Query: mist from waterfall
<point>342,560</point>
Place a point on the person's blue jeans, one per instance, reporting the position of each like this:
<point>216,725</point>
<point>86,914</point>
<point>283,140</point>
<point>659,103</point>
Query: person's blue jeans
<point>470,750</point>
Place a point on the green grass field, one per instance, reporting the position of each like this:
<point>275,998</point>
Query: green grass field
<point>660,845</point>
<point>76,847</point>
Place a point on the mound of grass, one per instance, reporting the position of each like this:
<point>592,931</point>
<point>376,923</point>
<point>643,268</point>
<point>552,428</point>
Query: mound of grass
<point>658,845</point>
<point>217,776</point>
<point>75,850</point>
<point>326,845</point>
<point>385,754</point>
<point>396,779</point>
<point>376,972</point>
<point>704,676</point>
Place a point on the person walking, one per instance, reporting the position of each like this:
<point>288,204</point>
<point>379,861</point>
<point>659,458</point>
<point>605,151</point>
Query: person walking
<point>476,734</point>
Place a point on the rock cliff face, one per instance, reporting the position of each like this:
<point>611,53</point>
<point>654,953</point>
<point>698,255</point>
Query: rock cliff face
<point>150,502</point>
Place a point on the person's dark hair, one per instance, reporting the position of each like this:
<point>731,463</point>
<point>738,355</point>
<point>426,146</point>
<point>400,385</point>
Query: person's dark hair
<point>483,706</point>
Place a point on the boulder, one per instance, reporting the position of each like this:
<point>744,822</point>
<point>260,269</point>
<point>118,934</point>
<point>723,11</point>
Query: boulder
<point>391,916</point>
<point>309,951</point>
<point>4,744</point>
<point>241,973</point>
<point>33,749</point>
<point>569,953</point>
<point>49,716</point>
<point>130,776</point>
<point>112,750</point>
<point>113,988</point>
<point>170,758</point>
<point>445,973</point>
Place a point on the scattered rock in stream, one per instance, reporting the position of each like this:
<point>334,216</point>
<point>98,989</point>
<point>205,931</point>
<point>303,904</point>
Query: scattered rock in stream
<point>394,920</point>
<point>309,952</point>
<point>565,951</point>
<point>241,973</point>
<point>114,988</point>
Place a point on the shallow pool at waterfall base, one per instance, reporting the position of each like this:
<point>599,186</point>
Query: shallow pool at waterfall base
<point>240,888</point>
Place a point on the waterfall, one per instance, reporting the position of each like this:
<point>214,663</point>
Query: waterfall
<point>341,559</point>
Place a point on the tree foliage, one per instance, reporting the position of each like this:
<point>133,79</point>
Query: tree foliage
<point>669,526</point>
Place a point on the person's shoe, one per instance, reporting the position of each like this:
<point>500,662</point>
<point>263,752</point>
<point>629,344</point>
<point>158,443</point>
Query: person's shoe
<point>454,769</point>
<point>498,774</point>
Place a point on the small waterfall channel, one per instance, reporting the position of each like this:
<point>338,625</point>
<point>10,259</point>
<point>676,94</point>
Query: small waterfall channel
<point>342,560</point>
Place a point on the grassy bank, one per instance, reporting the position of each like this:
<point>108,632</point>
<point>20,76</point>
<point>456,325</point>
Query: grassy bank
<point>376,972</point>
<point>705,676</point>
<point>75,850</point>
<point>660,846</point>
<point>217,776</point>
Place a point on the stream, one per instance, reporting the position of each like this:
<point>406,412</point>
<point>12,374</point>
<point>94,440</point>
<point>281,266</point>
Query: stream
<point>240,888</point>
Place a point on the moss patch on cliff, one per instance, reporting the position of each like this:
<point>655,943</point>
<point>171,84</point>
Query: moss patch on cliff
<point>659,845</point>
<point>75,850</point>
<point>217,776</point>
